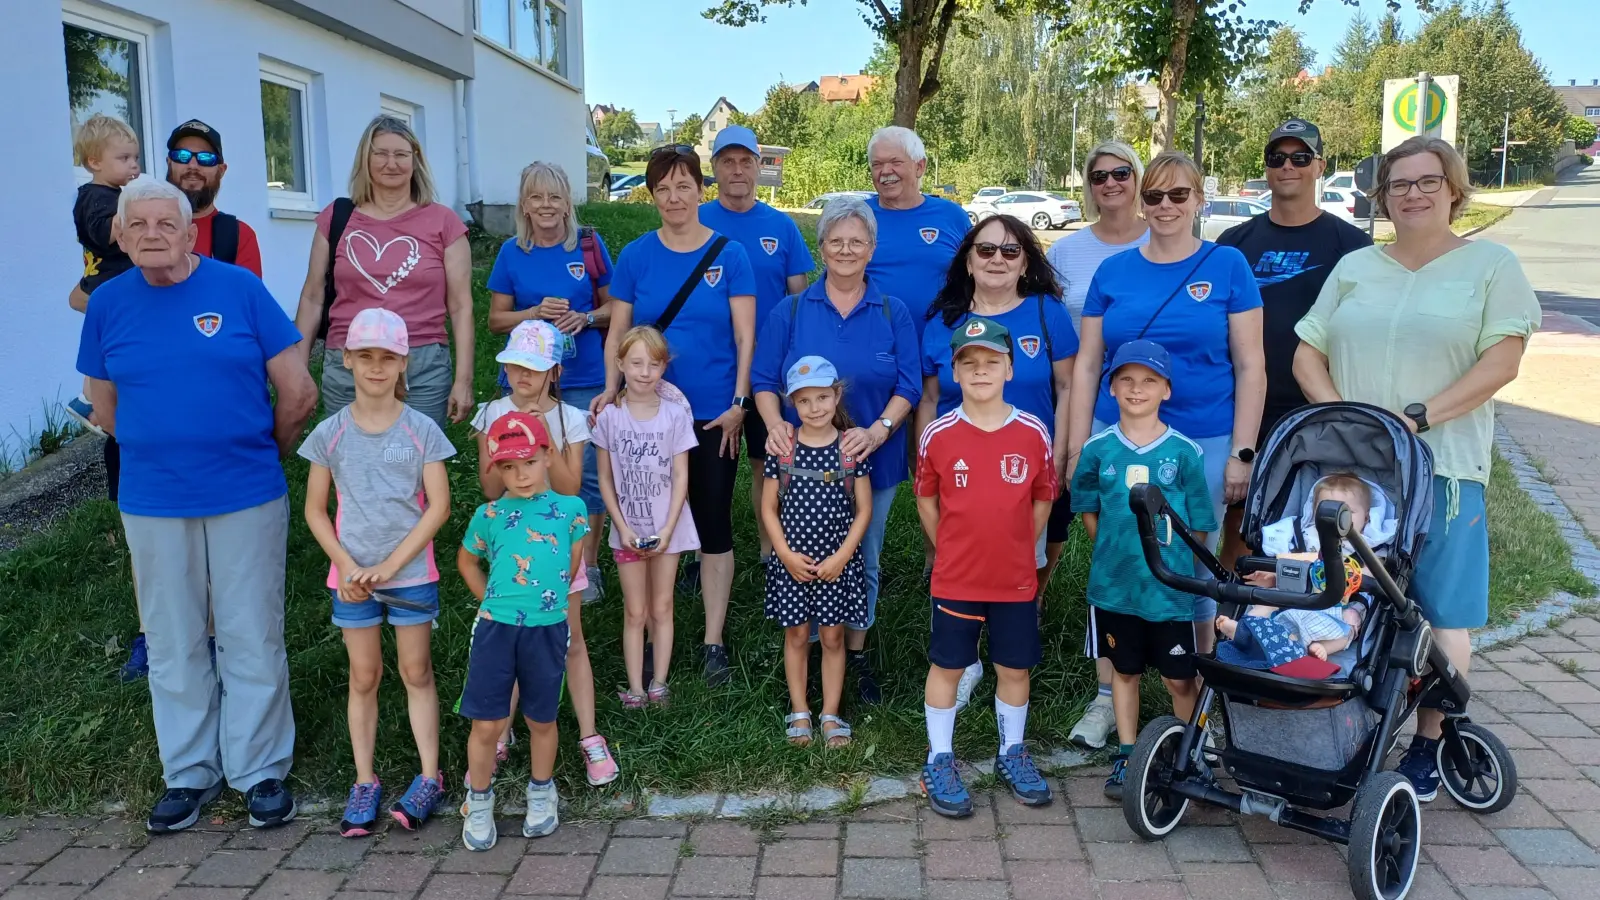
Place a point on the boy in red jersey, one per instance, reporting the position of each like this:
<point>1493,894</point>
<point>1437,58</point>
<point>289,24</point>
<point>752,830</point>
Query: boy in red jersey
<point>985,483</point>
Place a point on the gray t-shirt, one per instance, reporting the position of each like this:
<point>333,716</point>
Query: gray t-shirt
<point>378,479</point>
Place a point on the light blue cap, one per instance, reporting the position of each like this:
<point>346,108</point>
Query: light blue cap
<point>810,371</point>
<point>736,136</point>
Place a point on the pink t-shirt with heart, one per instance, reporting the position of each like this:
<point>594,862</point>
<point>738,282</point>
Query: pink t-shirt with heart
<point>397,264</point>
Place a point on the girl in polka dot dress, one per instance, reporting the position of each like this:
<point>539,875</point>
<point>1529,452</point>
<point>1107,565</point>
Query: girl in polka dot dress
<point>816,506</point>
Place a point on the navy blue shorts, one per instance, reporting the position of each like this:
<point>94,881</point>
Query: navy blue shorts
<point>503,655</point>
<point>957,624</point>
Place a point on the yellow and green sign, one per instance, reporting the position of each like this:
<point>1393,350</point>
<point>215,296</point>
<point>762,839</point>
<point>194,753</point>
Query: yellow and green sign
<point>1402,107</point>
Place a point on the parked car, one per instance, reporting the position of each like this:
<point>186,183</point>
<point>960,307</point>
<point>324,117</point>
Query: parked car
<point>622,184</point>
<point>1341,202</point>
<point>1255,187</point>
<point>1340,181</point>
<point>825,199</point>
<point>990,193</point>
<point>1222,213</point>
<point>1040,209</point>
<point>597,165</point>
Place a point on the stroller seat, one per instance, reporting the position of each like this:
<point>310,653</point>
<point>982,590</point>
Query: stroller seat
<point>1262,686</point>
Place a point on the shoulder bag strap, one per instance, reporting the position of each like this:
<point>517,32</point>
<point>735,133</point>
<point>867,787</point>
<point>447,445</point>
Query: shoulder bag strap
<point>687,288</point>
<point>224,237</point>
<point>1162,308</point>
<point>342,208</point>
<point>1049,349</point>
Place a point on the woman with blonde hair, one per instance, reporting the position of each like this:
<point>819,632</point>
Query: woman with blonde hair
<point>390,245</point>
<point>1111,177</point>
<point>1430,327</point>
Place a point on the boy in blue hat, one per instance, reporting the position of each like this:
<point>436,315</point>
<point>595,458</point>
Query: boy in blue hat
<point>1134,620</point>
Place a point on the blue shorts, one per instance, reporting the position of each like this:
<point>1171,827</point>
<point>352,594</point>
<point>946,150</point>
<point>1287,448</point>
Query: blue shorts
<point>589,491</point>
<point>957,625</point>
<point>370,613</point>
<point>1451,582</point>
<point>503,656</point>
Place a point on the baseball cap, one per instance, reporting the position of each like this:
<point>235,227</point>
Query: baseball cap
<point>981,332</point>
<point>199,129</point>
<point>380,328</point>
<point>516,435</point>
<point>1300,130</point>
<point>810,371</point>
<point>534,344</point>
<point>736,136</point>
<point>1149,354</point>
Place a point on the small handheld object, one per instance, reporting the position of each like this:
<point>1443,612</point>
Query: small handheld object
<point>400,602</point>
<point>649,543</point>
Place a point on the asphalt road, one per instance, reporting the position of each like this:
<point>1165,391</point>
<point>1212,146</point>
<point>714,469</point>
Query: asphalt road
<point>1557,237</point>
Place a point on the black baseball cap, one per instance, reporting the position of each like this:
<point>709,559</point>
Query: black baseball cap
<point>1300,130</point>
<point>199,129</point>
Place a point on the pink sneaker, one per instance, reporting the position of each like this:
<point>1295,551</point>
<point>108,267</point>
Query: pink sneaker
<point>598,760</point>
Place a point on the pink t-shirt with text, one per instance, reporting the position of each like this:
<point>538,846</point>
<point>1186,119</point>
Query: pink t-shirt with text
<point>397,264</point>
<point>641,469</point>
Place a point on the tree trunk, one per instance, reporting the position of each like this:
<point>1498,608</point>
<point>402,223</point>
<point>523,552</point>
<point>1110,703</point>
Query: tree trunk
<point>1183,15</point>
<point>908,79</point>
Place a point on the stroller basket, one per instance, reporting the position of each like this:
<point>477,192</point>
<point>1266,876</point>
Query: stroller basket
<point>1325,738</point>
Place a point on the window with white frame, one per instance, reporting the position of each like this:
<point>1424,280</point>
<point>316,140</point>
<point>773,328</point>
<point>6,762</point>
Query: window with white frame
<point>535,30</point>
<point>409,113</point>
<point>108,73</point>
<point>1591,111</point>
<point>286,134</point>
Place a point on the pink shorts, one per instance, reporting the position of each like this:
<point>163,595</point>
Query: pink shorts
<point>622,556</point>
<point>581,582</point>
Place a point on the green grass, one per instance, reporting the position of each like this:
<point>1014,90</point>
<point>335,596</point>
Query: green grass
<point>1475,216</point>
<point>1529,559</point>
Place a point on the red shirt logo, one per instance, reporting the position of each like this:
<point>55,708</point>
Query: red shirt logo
<point>1014,468</point>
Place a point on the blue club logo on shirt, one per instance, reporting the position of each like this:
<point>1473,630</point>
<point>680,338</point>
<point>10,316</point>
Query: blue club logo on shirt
<point>208,324</point>
<point>1199,290</point>
<point>713,275</point>
<point>575,269</point>
<point>929,235</point>
<point>1029,344</point>
<point>769,244</point>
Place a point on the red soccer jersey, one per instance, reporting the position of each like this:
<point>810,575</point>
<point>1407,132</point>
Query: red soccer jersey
<point>987,483</point>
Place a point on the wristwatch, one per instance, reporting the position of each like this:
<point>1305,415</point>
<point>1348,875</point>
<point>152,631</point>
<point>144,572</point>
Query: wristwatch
<point>1418,413</point>
<point>744,403</point>
<point>887,423</point>
<point>1245,455</point>
<point>590,318</point>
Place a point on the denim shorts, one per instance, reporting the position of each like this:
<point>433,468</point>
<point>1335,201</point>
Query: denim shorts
<point>429,376</point>
<point>369,612</point>
<point>589,492</point>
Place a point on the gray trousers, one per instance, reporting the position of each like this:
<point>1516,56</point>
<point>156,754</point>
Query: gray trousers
<point>240,727</point>
<point>429,375</point>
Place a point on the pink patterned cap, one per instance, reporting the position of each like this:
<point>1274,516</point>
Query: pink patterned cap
<point>534,344</point>
<point>379,328</point>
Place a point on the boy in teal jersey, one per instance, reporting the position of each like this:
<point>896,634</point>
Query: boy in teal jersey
<point>1134,620</point>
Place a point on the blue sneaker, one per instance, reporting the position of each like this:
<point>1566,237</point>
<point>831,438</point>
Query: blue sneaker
<point>1119,772</point>
<point>270,804</point>
<point>1420,767</point>
<point>180,808</point>
<point>419,802</point>
<point>138,664</point>
<point>361,810</point>
<point>941,784</point>
<point>80,410</point>
<point>1016,771</point>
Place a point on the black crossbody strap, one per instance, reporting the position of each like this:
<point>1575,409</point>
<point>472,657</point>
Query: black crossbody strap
<point>1174,295</point>
<point>687,288</point>
<point>342,208</point>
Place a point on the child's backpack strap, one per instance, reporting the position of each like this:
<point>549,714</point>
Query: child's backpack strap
<point>785,472</point>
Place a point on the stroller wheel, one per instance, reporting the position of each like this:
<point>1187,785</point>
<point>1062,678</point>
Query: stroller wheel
<point>1385,838</point>
<point>1148,804</point>
<point>1475,768</point>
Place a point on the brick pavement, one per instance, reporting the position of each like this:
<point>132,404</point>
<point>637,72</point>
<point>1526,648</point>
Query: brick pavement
<point>1540,695</point>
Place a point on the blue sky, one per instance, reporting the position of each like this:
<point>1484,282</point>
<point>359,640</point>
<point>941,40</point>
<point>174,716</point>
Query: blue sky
<point>655,55</point>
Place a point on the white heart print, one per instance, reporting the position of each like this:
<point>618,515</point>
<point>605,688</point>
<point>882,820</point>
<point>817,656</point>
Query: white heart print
<point>412,257</point>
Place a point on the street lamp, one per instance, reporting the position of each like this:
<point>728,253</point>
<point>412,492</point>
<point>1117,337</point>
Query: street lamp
<point>672,126</point>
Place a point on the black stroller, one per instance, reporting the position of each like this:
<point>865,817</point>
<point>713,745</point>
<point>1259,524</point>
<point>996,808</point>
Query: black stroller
<point>1296,744</point>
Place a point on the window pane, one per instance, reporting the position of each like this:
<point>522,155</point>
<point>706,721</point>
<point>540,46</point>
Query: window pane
<point>103,77</point>
<point>494,21</point>
<point>527,26</point>
<point>555,38</point>
<point>284,130</point>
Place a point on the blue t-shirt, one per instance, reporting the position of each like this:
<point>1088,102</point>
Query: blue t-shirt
<point>705,360</point>
<point>1032,356</point>
<point>531,275</point>
<point>189,362</point>
<point>915,247</point>
<point>1127,291</point>
<point>772,242</point>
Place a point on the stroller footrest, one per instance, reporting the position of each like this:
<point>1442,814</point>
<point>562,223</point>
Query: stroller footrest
<point>1261,686</point>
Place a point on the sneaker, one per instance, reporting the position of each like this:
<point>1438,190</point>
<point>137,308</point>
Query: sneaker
<point>80,410</point>
<point>270,804</point>
<point>866,681</point>
<point>941,784</point>
<point>970,676</point>
<point>689,577</point>
<point>477,821</point>
<point>1420,767</point>
<point>1015,769</point>
<point>418,802</point>
<point>541,818</point>
<point>597,759</point>
<point>716,665</point>
<point>1096,725</point>
<point>138,664</point>
<point>596,591</point>
<point>361,809</point>
<point>1119,772</point>
<point>179,808</point>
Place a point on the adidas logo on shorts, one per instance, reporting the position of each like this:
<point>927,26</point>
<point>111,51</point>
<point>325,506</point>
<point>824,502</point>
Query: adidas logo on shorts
<point>1177,650</point>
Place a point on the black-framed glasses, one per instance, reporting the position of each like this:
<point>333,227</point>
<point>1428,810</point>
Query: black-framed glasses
<point>1152,197</point>
<point>1300,158</point>
<point>670,149</point>
<point>1428,184</point>
<point>987,250</point>
<point>1120,173</point>
<point>204,158</point>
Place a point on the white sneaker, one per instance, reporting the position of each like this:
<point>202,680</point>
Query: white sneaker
<point>970,676</point>
<point>541,818</point>
<point>477,826</point>
<point>1098,721</point>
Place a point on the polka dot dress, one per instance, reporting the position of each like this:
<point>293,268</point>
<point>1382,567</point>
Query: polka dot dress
<point>816,517</point>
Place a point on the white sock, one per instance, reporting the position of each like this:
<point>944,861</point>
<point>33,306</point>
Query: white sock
<point>941,730</point>
<point>1013,721</point>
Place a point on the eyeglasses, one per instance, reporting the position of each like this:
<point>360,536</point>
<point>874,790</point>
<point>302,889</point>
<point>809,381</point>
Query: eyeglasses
<point>1120,173</point>
<point>1300,158</point>
<point>1428,184</point>
<point>671,149</point>
<point>840,245</point>
<point>1177,195</point>
<point>987,250</point>
<point>204,158</point>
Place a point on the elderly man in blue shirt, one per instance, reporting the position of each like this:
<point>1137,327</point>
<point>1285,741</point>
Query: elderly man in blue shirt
<point>917,234</point>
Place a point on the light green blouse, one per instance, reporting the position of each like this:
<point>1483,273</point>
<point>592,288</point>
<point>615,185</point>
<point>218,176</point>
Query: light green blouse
<point>1394,337</point>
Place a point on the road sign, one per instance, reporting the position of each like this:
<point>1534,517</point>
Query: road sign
<point>1402,108</point>
<point>1367,173</point>
<point>1211,186</point>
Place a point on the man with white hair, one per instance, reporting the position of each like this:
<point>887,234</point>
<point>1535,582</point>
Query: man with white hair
<point>180,352</point>
<point>917,234</point>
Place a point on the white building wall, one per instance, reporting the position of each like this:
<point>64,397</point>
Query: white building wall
<point>524,115</point>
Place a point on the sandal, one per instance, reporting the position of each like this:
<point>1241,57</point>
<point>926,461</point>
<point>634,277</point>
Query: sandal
<point>798,735</point>
<point>839,736</point>
<point>630,700</point>
<point>658,694</point>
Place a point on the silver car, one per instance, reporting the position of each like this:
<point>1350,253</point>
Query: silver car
<point>1040,209</point>
<point>1222,213</point>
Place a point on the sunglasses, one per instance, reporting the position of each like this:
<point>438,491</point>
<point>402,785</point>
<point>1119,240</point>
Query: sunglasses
<point>1428,184</point>
<point>1300,158</point>
<point>987,250</point>
<point>1120,173</point>
<point>1152,197</point>
<point>204,158</point>
<point>671,149</point>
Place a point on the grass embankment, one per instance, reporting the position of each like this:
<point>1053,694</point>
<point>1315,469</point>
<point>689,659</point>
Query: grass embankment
<point>1476,216</point>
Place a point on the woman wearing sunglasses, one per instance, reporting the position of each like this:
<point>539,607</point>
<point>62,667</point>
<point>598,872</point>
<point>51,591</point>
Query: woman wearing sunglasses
<point>1200,302</point>
<point>1111,179</point>
<point>1430,327</point>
